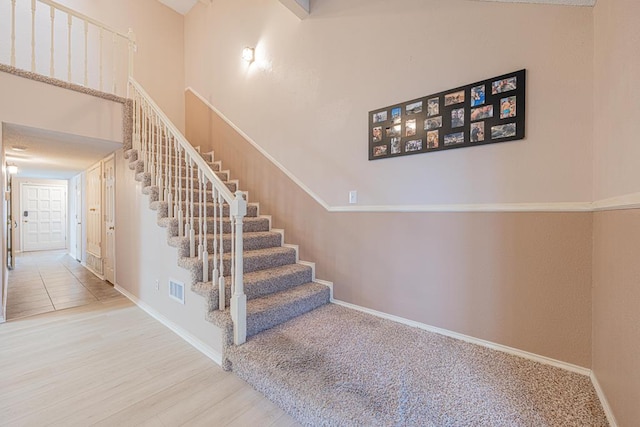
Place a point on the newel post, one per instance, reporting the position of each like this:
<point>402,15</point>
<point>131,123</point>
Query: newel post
<point>239,299</point>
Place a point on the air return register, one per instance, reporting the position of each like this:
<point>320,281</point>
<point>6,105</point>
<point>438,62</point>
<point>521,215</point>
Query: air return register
<point>176,291</point>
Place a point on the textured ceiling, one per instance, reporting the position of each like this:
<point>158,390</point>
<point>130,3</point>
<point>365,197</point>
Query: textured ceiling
<point>50,154</point>
<point>184,6</point>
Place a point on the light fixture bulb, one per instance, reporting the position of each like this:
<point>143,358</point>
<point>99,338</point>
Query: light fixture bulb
<point>248,54</point>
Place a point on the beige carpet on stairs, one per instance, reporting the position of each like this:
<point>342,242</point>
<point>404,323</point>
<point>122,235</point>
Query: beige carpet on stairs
<point>339,367</point>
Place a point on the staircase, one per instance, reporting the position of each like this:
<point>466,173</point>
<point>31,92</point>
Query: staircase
<point>277,286</point>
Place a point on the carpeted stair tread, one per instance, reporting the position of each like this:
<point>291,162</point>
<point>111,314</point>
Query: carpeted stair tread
<point>258,259</point>
<point>251,241</point>
<point>271,310</point>
<point>250,224</point>
<point>339,367</point>
<point>156,205</point>
<point>259,283</point>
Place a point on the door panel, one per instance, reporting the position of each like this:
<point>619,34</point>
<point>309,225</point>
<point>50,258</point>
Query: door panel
<point>109,219</point>
<point>94,211</point>
<point>43,217</point>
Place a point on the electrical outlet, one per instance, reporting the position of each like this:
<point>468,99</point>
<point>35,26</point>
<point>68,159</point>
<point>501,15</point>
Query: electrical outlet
<point>353,196</point>
<point>157,285</point>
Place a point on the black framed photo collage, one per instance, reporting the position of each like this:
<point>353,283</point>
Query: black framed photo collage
<point>485,112</point>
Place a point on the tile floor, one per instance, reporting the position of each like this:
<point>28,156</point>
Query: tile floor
<point>49,281</point>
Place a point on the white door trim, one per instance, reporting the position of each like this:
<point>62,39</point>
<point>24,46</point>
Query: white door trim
<point>65,202</point>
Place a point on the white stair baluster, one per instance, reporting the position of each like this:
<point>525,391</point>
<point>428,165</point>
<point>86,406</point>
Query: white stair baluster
<point>52,70</point>
<point>170,184</point>
<point>69,23</point>
<point>13,33</point>
<point>214,273</point>
<point>101,60</point>
<point>192,231</point>
<point>200,191</point>
<point>114,48</point>
<point>177,188</point>
<point>203,227</point>
<point>180,203</point>
<point>33,36</point>
<point>86,53</point>
<point>221,284</point>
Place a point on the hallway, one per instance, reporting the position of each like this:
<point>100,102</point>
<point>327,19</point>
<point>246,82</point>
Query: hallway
<point>49,281</point>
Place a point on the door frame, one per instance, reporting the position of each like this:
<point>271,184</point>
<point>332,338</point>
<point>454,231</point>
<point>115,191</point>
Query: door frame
<point>65,204</point>
<point>105,214</point>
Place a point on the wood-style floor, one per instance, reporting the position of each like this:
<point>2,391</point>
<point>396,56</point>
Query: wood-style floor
<point>52,280</point>
<point>109,363</point>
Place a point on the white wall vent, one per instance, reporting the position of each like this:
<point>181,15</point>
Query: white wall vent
<point>176,291</point>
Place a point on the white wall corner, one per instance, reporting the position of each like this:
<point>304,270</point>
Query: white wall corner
<point>299,7</point>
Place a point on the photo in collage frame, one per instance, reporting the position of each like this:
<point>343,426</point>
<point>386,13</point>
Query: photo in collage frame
<point>485,112</point>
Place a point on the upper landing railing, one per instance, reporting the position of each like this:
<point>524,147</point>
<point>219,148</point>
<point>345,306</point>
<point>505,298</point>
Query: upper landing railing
<point>48,38</point>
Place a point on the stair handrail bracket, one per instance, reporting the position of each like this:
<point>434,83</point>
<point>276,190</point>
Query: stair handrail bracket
<point>203,207</point>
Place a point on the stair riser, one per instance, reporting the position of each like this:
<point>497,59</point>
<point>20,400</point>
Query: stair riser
<point>250,243</point>
<point>138,166</point>
<point>132,155</point>
<point>262,288</point>
<point>247,227</point>
<point>182,172</point>
<point>268,319</point>
<point>259,263</point>
<point>145,179</point>
<point>250,263</point>
<point>252,211</point>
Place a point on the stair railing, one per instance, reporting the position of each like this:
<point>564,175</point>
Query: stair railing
<point>88,45</point>
<point>187,183</point>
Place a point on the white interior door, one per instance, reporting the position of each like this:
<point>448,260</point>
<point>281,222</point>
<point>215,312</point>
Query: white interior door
<point>78,219</point>
<point>93,195</point>
<point>109,219</point>
<point>43,217</point>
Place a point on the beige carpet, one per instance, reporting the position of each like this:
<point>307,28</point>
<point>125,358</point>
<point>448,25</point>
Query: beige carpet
<point>339,367</point>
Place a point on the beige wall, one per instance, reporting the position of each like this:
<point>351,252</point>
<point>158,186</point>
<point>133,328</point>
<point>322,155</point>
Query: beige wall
<point>616,94</point>
<point>159,62</point>
<point>42,106</point>
<point>616,311</point>
<point>616,237</point>
<point>144,256</point>
<point>518,279</point>
<point>305,100</point>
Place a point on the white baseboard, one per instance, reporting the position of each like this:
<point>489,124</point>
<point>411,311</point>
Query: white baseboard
<point>195,342</point>
<point>603,401</point>
<point>510,350</point>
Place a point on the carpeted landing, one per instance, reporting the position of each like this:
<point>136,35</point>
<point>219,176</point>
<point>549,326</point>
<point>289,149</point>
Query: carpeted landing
<point>339,367</point>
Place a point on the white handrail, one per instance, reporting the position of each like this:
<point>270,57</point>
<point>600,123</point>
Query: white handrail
<point>184,144</point>
<point>83,17</point>
<point>178,172</point>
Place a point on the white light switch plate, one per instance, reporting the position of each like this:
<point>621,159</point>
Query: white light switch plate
<point>353,196</point>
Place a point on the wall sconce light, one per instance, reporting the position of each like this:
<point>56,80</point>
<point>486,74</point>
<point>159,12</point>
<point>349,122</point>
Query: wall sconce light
<point>249,54</point>
<point>12,169</point>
